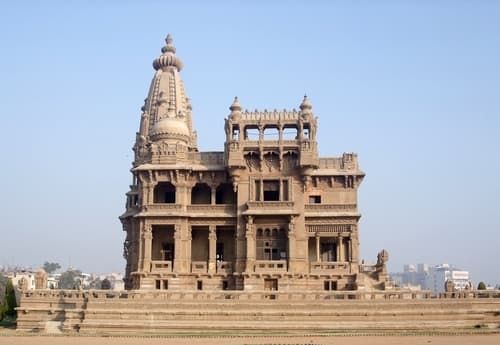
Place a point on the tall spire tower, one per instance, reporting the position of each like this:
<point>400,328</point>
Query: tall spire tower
<point>166,122</point>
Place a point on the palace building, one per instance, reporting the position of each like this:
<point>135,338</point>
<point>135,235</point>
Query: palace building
<point>266,214</point>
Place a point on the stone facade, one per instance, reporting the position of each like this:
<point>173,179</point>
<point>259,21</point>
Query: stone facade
<point>266,214</point>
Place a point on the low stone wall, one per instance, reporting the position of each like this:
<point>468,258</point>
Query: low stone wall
<point>138,311</point>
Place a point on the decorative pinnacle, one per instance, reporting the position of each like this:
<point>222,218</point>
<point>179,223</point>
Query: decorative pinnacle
<point>236,105</point>
<point>168,57</point>
<point>169,48</point>
<point>305,104</point>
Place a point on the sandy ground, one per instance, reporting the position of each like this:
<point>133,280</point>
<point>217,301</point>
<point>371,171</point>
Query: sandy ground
<point>487,339</point>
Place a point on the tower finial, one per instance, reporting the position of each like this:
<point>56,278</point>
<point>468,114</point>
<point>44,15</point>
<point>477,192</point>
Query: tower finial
<point>169,39</point>
<point>168,57</point>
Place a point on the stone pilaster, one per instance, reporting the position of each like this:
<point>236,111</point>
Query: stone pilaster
<point>212,249</point>
<point>250,239</point>
<point>292,257</point>
<point>178,257</point>
<point>147,237</point>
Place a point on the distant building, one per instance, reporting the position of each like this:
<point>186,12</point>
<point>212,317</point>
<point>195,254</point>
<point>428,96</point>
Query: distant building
<point>24,280</point>
<point>439,275</point>
<point>431,277</point>
<point>53,280</point>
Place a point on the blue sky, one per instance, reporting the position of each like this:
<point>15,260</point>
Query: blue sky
<point>411,86</point>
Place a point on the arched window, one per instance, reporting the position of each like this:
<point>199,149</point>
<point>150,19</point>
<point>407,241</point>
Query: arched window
<point>201,194</point>
<point>164,193</point>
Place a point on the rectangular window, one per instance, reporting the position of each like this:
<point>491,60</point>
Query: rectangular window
<point>199,285</point>
<point>272,190</point>
<point>315,199</point>
<point>225,285</point>
<point>158,284</point>
<point>165,285</point>
<point>330,285</point>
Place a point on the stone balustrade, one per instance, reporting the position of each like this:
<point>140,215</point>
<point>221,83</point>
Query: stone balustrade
<point>270,266</point>
<point>330,207</point>
<point>273,206</point>
<point>161,266</point>
<point>161,207</point>
<point>329,267</point>
<point>199,267</point>
<point>224,267</point>
<point>399,294</point>
<point>226,210</point>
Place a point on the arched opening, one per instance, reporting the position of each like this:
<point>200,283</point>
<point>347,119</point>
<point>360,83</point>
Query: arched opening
<point>201,194</point>
<point>290,133</point>
<point>306,133</point>
<point>271,133</point>
<point>251,133</point>
<point>164,193</point>
<point>224,194</point>
<point>236,133</point>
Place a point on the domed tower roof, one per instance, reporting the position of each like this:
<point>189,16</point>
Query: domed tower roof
<point>167,113</point>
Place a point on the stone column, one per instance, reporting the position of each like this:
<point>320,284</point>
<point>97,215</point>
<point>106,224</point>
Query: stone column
<point>149,195</point>
<point>188,232</point>
<point>178,259</point>
<point>318,258</point>
<point>349,250</point>
<point>280,132</point>
<point>147,237</point>
<point>341,249</point>
<point>261,191</point>
<point>213,190</point>
<point>250,238</point>
<point>212,249</point>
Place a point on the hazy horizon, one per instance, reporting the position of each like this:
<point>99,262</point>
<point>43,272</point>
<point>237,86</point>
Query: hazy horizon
<point>413,88</point>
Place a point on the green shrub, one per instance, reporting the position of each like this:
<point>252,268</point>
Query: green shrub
<point>10,299</point>
<point>481,286</point>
